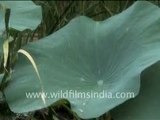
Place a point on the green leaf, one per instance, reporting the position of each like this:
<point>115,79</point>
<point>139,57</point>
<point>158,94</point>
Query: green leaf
<point>24,14</point>
<point>88,55</point>
<point>146,105</point>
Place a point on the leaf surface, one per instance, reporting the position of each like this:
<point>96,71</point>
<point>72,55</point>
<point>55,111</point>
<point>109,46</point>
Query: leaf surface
<point>89,56</point>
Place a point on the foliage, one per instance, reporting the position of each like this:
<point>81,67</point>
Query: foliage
<point>111,56</point>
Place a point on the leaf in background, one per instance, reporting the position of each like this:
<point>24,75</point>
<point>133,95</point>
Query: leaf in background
<point>146,105</point>
<point>87,55</point>
<point>24,14</point>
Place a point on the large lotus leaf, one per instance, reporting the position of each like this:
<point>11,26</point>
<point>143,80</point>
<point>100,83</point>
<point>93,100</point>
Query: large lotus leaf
<point>146,105</point>
<point>24,14</point>
<point>88,55</point>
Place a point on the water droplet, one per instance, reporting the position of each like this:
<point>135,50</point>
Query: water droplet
<point>100,82</point>
<point>127,29</point>
<point>72,102</point>
<point>97,22</point>
<point>80,110</point>
<point>82,79</point>
<point>83,104</point>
